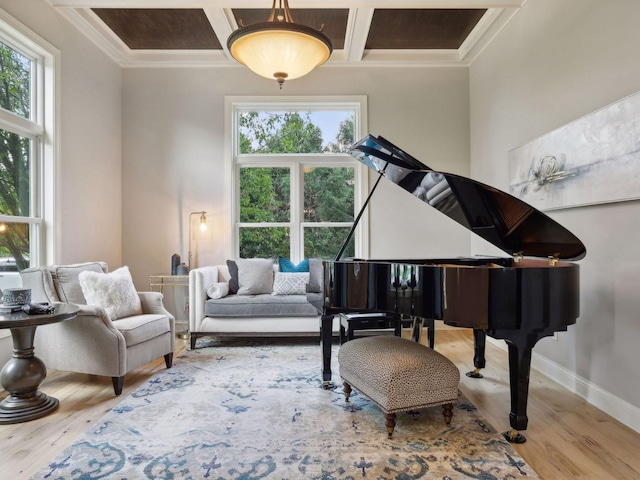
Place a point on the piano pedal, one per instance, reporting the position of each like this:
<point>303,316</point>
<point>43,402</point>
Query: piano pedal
<point>514,436</point>
<point>475,374</point>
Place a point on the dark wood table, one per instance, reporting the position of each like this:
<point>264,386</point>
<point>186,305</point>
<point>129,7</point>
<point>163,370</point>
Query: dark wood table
<point>24,372</point>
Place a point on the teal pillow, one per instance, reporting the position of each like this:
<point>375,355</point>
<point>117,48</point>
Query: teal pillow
<point>287,266</point>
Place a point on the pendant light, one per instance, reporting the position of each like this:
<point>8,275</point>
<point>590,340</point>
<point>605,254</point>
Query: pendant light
<point>279,48</point>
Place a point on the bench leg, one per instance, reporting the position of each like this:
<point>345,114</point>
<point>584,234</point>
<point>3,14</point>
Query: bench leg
<point>347,391</point>
<point>448,413</point>
<point>390,423</point>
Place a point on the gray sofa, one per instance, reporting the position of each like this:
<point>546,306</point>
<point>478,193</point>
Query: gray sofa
<point>263,314</point>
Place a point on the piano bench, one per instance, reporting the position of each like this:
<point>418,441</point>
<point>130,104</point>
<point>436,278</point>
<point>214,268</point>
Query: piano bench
<point>398,375</point>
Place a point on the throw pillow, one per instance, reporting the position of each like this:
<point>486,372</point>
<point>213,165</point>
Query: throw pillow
<point>316,275</point>
<point>218,290</point>
<point>290,283</point>
<point>113,291</point>
<point>255,276</point>
<point>233,273</point>
<point>288,266</point>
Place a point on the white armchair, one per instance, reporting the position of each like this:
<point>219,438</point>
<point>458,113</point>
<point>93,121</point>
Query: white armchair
<point>92,343</point>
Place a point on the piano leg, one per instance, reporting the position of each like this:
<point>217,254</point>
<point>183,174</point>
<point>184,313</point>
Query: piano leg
<point>520,343</point>
<point>479,361</point>
<point>326,323</point>
<point>519,370</point>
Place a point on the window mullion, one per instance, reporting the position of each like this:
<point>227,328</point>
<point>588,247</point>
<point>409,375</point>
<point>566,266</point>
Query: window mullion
<point>16,124</point>
<point>296,212</point>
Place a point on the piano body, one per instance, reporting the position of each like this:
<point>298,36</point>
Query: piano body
<point>521,298</point>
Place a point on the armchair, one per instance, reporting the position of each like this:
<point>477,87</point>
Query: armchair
<point>92,343</point>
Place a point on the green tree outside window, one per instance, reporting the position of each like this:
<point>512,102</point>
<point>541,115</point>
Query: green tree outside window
<point>328,192</point>
<point>15,155</point>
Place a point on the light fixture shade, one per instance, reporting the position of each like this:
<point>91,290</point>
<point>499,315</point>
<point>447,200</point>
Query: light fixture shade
<point>280,50</point>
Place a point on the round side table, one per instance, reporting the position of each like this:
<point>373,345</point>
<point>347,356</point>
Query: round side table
<point>24,372</point>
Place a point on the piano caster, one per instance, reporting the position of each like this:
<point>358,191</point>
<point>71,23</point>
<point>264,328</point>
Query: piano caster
<point>475,374</point>
<point>514,436</point>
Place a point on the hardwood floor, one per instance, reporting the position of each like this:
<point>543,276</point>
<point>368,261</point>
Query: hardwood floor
<point>566,439</point>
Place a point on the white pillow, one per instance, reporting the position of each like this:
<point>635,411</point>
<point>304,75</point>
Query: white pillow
<point>218,290</point>
<point>290,283</point>
<point>113,291</point>
<point>255,276</point>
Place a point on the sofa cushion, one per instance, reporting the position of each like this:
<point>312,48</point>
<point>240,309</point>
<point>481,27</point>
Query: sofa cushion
<point>255,276</point>
<point>290,283</point>
<point>40,281</point>
<point>141,328</point>
<point>265,305</point>
<point>65,280</point>
<point>317,300</point>
<point>316,275</point>
<point>113,291</point>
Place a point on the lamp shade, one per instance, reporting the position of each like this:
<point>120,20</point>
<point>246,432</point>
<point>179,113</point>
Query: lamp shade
<point>280,50</point>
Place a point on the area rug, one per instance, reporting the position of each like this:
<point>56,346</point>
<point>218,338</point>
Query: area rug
<point>246,410</point>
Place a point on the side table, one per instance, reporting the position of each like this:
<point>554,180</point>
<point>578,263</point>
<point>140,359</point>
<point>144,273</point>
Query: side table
<point>24,372</point>
<point>160,281</point>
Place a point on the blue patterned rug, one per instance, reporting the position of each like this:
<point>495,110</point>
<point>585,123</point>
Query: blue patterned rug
<point>256,409</point>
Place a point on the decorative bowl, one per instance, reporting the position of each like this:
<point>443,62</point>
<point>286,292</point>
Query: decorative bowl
<point>16,296</point>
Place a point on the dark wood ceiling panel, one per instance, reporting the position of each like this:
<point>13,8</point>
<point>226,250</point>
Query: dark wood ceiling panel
<point>163,29</point>
<point>334,20</point>
<point>421,29</point>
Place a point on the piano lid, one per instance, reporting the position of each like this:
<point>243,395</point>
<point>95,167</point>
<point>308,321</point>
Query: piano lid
<point>502,219</point>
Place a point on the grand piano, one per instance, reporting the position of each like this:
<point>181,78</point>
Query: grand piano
<point>523,297</point>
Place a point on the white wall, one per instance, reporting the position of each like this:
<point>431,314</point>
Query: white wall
<point>553,63</point>
<point>89,187</point>
<point>174,161</point>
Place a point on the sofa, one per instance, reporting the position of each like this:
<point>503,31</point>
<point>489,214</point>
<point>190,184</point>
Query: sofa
<point>224,300</point>
<point>122,331</point>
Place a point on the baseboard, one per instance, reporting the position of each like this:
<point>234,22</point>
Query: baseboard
<point>620,409</point>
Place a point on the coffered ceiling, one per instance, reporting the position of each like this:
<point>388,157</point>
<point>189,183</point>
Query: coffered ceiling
<point>138,33</point>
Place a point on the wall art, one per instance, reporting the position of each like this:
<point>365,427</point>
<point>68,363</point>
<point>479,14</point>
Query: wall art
<point>595,159</point>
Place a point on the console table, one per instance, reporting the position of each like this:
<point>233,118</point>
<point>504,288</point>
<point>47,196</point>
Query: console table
<point>24,372</point>
<point>159,281</point>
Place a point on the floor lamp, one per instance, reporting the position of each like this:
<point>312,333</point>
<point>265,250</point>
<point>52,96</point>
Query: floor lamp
<point>203,227</point>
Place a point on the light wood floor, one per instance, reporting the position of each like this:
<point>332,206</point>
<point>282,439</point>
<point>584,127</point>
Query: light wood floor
<point>566,438</point>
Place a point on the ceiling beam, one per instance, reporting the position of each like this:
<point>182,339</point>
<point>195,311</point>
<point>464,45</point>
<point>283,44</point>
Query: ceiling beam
<point>295,3</point>
<point>223,24</point>
<point>90,25</point>
<point>357,32</point>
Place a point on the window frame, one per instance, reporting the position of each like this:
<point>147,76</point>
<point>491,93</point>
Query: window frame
<point>296,162</point>
<point>42,130</point>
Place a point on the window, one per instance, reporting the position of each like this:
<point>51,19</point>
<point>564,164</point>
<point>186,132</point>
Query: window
<point>27,71</point>
<point>296,189</point>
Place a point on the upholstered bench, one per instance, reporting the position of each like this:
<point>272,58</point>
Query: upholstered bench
<point>398,375</point>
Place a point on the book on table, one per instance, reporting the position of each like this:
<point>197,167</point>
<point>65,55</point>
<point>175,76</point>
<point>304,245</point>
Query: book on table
<point>10,308</point>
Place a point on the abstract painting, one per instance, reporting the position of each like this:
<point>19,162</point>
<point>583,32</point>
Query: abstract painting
<point>595,159</point>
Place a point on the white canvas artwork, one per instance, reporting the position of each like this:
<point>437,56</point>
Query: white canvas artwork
<point>595,159</point>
